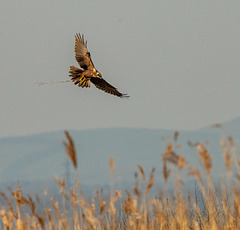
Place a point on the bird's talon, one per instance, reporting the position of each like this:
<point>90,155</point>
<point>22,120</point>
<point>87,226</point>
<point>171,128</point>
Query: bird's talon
<point>81,79</point>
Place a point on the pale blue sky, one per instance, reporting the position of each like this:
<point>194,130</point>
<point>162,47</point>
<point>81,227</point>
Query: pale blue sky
<point>178,60</point>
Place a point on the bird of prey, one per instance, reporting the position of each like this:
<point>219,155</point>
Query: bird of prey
<point>88,73</point>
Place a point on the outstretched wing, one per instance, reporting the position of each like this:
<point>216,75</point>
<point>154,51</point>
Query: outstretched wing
<point>103,85</point>
<point>82,55</point>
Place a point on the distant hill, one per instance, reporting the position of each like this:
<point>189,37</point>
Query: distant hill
<point>41,156</point>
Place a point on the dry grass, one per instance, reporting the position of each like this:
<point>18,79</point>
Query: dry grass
<point>203,208</point>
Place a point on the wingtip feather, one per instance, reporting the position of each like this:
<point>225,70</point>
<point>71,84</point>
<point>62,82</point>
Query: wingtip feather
<point>126,96</point>
<point>80,37</point>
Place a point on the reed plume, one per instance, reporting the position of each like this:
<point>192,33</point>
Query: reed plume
<point>70,149</point>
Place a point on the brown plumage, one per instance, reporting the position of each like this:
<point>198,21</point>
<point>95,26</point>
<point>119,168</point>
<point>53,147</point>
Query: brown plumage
<point>88,73</point>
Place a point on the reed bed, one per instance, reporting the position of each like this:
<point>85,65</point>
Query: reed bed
<point>205,207</point>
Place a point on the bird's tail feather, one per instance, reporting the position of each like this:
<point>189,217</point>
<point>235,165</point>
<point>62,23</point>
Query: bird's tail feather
<point>78,78</point>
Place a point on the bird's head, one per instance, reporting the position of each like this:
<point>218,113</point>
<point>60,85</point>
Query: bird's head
<point>99,74</point>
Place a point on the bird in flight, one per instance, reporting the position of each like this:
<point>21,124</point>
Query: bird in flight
<point>88,73</point>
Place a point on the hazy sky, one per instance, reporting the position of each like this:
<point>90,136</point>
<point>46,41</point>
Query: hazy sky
<point>178,60</point>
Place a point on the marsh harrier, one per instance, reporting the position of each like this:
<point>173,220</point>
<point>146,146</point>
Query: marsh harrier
<point>88,73</point>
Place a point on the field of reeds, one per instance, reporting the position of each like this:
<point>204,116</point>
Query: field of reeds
<point>204,207</point>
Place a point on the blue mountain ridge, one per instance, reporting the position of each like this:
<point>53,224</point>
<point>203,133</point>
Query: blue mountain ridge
<point>39,157</point>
